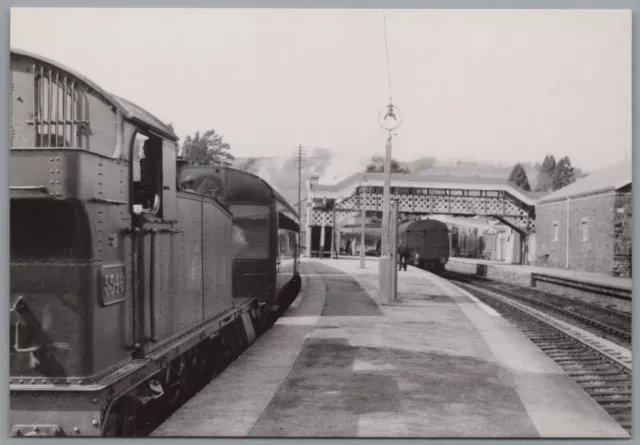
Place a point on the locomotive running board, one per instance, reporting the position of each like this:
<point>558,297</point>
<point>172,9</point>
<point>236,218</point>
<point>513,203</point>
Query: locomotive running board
<point>29,191</point>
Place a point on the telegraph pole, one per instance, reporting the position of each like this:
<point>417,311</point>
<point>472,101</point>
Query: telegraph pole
<point>299,158</point>
<point>300,181</point>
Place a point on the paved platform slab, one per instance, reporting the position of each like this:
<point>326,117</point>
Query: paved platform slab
<point>434,364</point>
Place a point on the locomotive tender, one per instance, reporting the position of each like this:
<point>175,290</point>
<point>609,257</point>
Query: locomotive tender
<point>129,287</point>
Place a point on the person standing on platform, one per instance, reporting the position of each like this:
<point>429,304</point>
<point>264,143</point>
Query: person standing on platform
<point>403,256</point>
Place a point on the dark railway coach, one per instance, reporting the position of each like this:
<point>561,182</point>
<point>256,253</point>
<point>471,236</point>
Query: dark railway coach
<point>265,233</point>
<point>429,239</point>
<point>121,277</point>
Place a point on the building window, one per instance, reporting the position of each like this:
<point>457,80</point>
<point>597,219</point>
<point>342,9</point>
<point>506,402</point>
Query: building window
<point>556,231</point>
<point>584,230</point>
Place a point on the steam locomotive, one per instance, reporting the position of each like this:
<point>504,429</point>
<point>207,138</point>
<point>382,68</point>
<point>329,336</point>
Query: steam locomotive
<point>134,278</point>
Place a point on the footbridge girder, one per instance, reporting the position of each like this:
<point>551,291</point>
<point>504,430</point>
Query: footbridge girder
<point>331,205</point>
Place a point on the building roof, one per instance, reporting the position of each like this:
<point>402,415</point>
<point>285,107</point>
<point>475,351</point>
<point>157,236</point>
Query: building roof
<point>599,181</point>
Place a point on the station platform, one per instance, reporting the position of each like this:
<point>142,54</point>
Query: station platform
<point>435,363</point>
<point>521,274</point>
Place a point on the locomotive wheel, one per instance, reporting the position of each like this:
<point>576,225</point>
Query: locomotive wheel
<point>175,380</point>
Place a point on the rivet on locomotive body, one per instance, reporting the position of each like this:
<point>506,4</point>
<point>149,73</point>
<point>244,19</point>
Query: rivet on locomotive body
<point>33,381</point>
<point>95,422</point>
<point>76,430</point>
<point>94,400</point>
<point>21,381</point>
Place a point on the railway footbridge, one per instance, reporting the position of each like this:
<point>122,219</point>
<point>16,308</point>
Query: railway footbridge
<point>329,206</point>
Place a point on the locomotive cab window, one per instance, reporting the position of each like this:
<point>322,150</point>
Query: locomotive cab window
<point>147,174</point>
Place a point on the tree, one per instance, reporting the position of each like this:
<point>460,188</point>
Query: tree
<point>423,163</point>
<point>579,173</point>
<point>544,179</point>
<point>377,166</point>
<point>519,177</point>
<point>207,149</point>
<point>563,174</point>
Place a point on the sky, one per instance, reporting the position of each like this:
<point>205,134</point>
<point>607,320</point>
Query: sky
<point>503,86</point>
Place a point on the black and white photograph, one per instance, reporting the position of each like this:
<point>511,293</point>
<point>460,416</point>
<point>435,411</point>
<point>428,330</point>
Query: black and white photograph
<point>320,223</point>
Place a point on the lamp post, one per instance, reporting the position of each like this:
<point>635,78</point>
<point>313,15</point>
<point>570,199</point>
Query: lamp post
<point>363,179</point>
<point>390,118</point>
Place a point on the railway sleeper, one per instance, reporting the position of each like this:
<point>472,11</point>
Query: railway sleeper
<point>575,361</point>
<point>607,392</point>
<point>618,408</point>
<point>609,384</point>
<point>589,367</point>
<point>617,378</point>
<point>581,356</point>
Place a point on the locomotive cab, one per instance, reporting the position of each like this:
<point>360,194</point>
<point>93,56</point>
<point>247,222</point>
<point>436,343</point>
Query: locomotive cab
<point>75,202</point>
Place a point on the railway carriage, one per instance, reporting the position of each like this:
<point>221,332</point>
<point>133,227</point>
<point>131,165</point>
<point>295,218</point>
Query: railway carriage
<point>265,233</point>
<point>428,238</point>
<point>121,276</point>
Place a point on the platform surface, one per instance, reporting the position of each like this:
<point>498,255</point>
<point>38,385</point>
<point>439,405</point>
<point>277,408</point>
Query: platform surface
<point>436,363</point>
<point>597,278</point>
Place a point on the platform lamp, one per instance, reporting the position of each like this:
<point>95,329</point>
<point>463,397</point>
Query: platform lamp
<point>390,118</point>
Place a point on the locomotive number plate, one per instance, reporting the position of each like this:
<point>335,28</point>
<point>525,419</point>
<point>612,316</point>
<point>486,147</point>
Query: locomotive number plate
<point>112,284</point>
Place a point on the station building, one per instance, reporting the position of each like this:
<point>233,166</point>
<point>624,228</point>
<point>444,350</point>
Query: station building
<point>587,226</point>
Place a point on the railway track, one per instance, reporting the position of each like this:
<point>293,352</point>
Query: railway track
<point>602,371</point>
<point>605,322</point>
